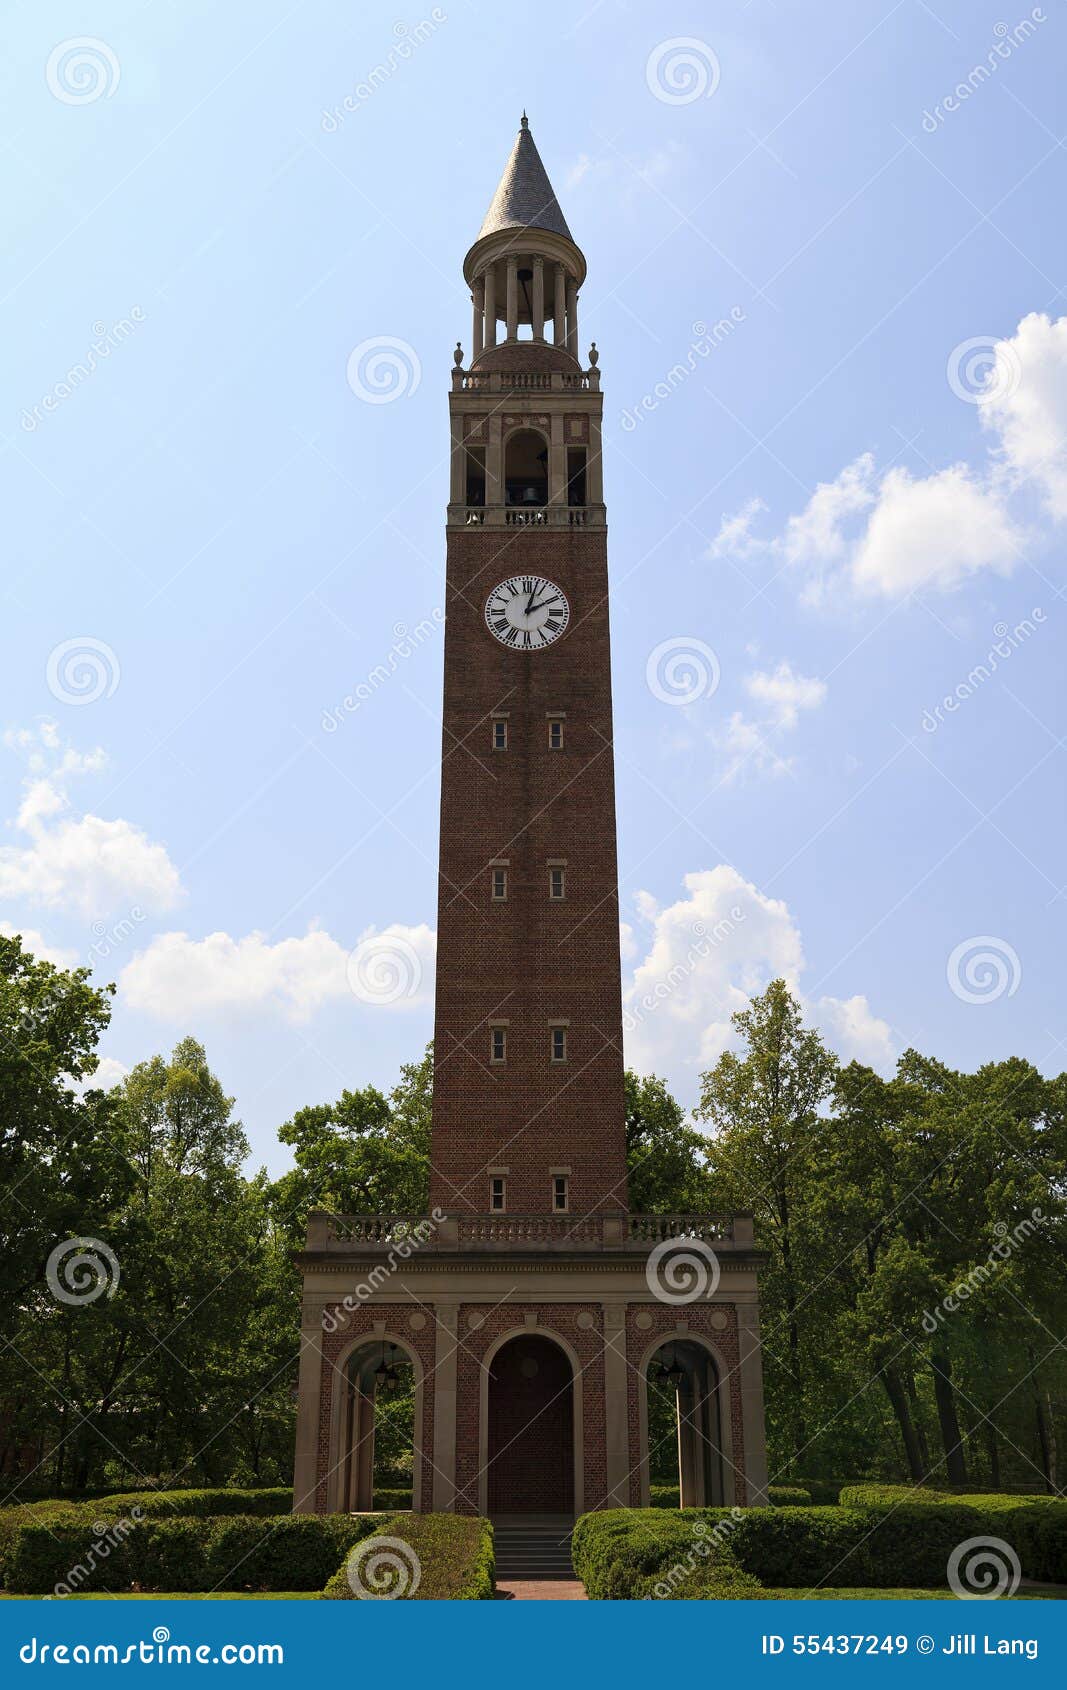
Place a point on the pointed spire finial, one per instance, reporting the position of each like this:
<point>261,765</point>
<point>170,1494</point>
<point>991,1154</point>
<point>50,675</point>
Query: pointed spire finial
<point>525,124</point>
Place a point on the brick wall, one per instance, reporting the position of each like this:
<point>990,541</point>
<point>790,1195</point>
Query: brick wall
<point>528,961</point>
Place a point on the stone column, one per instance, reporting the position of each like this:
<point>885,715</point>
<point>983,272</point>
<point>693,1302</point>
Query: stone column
<point>444,1409</point>
<point>478,301</point>
<point>494,462</point>
<point>458,482</point>
<point>559,316</point>
<point>513,296</point>
<point>557,461</point>
<point>572,315</point>
<point>751,1374</point>
<point>305,1473</point>
<point>616,1407</point>
<point>594,465</point>
<point>538,298</point>
<point>490,306</point>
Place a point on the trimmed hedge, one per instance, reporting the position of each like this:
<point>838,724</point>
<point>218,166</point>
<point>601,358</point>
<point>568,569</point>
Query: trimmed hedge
<point>453,1552</point>
<point>623,1554</point>
<point>1034,1526</point>
<point>229,1552</point>
<point>395,1501</point>
<point>133,1505</point>
<point>780,1496</point>
<point>790,1496</point>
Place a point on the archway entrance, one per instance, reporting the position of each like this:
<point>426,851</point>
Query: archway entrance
<point>378,1428</point>
<point>531,1428</point>
<point>684,1426</point>
<point>526,468</point>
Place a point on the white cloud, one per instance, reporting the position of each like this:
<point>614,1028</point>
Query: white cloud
<point>933,531</point>
<point>39,947</point>
<point>1026,407</point>
<point>707,954</point>
<point>752,747</point>
<point>87,864</point>
<point>178,978</point>
<point>91,866</point>
<point>109,1072</point>
<point>888,534</point>
<point>785,692</point>
<point>891,533</point>
<point>853,1030</point>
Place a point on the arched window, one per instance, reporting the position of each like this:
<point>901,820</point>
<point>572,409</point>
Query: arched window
<point>526,469</point>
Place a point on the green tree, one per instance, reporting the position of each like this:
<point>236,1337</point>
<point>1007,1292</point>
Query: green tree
<point>766,1108</point>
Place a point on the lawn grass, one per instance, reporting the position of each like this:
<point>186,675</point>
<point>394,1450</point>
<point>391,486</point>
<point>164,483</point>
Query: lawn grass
<point>177,1596</point>
<point>822,1594</point>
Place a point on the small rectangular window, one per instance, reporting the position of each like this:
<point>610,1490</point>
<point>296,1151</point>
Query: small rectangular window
<point>500,735</point>
<point>559,1044</point>
<point>559,1194</point>
<point>556,883</point>
<point>555,735</point>
<point>500,884</point>
<point>498,1045</point>
<point>496,1195</point>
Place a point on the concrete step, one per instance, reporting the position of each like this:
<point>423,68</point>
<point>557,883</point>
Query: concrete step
<point>533,1548</point>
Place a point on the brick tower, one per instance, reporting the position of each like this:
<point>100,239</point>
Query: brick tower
<point>530,1310</point>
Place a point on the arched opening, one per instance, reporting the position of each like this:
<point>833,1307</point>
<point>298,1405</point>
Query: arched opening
<point>526,468</point>
<point>684,1423</point>
<point>531,1428</point>
<point>379,1402</point>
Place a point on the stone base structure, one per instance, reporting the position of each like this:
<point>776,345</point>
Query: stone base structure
<point>531,1351</point>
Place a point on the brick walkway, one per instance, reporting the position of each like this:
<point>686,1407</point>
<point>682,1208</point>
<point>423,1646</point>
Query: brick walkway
<point>540,1590</point>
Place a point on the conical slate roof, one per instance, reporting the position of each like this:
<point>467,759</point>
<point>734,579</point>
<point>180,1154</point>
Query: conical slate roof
<point>524,198</point>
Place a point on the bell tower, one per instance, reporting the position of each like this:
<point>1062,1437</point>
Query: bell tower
<point>535,1317</point>
<point>528,1085</point>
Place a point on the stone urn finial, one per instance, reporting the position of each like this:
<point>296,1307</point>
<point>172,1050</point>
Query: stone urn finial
<point>457,356</point>
<point>594,356</point>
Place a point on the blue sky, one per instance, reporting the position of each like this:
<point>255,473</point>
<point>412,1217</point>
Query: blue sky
<point>825,514</point>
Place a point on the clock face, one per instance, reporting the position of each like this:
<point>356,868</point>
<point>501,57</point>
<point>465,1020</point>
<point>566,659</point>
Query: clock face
<point>527,612</point>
